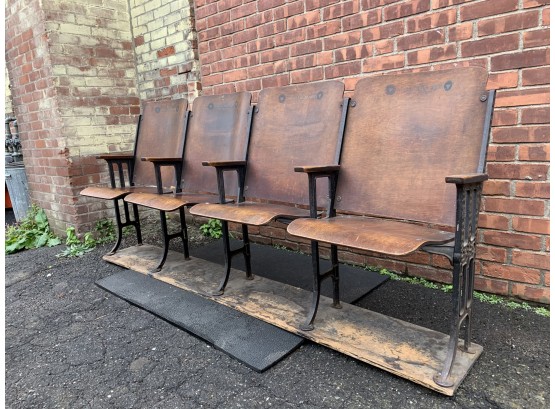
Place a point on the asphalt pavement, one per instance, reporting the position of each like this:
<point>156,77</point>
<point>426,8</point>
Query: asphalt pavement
<point>70,344</point>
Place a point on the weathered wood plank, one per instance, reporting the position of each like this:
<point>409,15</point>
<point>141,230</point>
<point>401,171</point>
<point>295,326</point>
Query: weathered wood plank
<point>404,349</point>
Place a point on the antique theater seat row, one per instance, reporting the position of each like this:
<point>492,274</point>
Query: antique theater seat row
<point>395,169</point>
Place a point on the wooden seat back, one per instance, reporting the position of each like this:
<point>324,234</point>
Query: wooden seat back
<point>405,133</point>
<point>294,125</point>
<point>161,133</point>
<point>218,130</point>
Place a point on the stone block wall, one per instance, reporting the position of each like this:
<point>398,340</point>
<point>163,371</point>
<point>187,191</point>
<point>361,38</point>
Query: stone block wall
<point>251,45</point>
<point>166,49</point>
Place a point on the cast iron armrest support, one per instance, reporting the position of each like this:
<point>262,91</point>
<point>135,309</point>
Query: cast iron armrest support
<point>469,192</point>
<point>239,166</point>
<point>314,172</point>
<point>119,159</point>
<point>469,189</point>
<point>471,184</point>
<point>158,162</point>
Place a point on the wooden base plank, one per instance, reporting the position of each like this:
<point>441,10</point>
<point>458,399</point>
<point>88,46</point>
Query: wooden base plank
<point>404,349</point>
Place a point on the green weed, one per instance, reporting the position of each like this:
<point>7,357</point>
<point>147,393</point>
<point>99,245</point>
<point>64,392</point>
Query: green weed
<point>76,247</point>
<point>104,231</point>
<point>212,228</point>
<point>33,231</point>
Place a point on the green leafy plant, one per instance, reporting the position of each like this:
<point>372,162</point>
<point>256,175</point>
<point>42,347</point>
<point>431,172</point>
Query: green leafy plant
<point>104,231</point>
<point>31,232</point>
<point>212,228</point>
<point>71,238</point>
<point>76,247</point>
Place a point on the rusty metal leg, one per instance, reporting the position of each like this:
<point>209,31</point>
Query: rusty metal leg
<point>119,228</point>
<point>464,253</point>
<point>335,276</point>
<point>247,251</point>
<point>461,316</point>
<point>183,233</point>
<point>308,325</point>
<point>442,378</point>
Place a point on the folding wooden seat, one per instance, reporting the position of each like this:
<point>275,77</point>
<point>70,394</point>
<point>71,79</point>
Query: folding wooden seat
<point>160,132</point>
<point>218,129</point>
<point>411,174</point>
<point>297,125</point>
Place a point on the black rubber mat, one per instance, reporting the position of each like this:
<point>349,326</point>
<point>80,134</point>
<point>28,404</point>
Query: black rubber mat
<point>255,343</point>
<point>295,269</point>
<point>251,341</point>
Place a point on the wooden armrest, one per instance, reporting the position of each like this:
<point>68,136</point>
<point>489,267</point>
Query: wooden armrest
<point>465,179</point>
<point>317,169</point>
<point>115,156</point>
<point>225,163</point>
<point>157,159</point>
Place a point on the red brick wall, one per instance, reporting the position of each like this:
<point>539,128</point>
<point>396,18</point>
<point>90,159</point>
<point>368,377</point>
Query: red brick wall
<point>250,45</point>
<point>72,73</point>
<point>34,102</point>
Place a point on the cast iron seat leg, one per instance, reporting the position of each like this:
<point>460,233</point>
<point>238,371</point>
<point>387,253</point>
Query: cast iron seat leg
<point>335,276</point>
<point>166,238</point>
<point>468,203</point>
<point>137,224</point>
<point>119,228</point>
<point>183,233</point>
<point>247,251</point>
<point>308,325</point>
<point>228,255</point>
<point>128,222</point>
<point>469,300</point>
<point>461,314</point>
<point>442,379</point>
